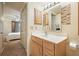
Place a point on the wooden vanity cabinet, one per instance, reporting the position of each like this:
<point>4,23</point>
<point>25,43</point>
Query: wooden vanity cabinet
<point>46,48</point>
<point>52,49</point>
<point>60,48</point>
<point>36,46</point>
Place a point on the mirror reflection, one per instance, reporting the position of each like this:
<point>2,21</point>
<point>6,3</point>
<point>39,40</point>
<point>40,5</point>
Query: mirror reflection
<point>53,16</point>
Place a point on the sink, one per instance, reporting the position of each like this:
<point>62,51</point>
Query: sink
<point>50,37</point>
<point>56,37</point>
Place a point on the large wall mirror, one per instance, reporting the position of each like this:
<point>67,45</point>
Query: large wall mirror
<point>54,18</point>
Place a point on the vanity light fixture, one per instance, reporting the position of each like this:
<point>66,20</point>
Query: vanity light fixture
<point>49,5</point>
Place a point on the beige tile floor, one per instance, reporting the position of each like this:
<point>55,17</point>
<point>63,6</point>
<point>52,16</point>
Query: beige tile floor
<point>13,48</point>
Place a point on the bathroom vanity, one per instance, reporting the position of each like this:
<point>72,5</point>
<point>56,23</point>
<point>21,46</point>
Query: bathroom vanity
<point>50,45</point>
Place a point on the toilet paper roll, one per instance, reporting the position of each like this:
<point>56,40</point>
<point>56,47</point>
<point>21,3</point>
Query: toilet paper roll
<point>73,45</point>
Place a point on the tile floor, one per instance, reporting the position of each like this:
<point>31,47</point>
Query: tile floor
<point>13,48</point>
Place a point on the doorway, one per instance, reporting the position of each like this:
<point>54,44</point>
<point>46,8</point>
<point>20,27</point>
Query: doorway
<point>12,30</point>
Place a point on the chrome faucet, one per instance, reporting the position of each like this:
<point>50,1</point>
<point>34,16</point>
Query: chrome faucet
<point>45,31</point>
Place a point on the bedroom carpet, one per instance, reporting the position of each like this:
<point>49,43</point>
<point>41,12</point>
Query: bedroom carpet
<point>13,48</point>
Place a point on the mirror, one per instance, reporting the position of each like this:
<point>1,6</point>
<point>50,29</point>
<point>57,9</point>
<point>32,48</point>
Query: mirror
<point>54,18</point>
<point>56,22</point>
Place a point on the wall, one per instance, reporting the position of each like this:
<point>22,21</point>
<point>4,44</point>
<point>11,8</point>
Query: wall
<point>72,29</point>
<point>0,9</point>
<point>6,26</point>
<point>23,27</point>
<point>0,17</point>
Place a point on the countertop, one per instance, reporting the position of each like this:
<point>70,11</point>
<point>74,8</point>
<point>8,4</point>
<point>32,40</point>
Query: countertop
<point>50,37</point>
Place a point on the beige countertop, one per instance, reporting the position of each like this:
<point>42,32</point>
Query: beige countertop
<point>50,37</point>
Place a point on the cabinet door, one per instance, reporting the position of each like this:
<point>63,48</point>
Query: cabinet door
<point>60,48</point>
<point>48,45</point>
<point>48,48</point>
<point>36,49</point>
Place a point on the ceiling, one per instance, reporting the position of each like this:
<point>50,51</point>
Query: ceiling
<point>15,5</point>
<point>12,10</point>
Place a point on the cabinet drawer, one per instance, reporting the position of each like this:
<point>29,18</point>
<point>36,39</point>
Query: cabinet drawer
<point>47,52</point>
<point>37,40</point>
<point>48,45</point>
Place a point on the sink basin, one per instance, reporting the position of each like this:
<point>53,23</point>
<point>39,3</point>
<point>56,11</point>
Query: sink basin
<point>55,36</point>
<point>50,37</point>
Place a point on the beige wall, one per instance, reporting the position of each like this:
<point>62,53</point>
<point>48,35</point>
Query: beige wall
<point>0,17</point>
<point>23,22</point>
<point>7,26</point>
<point>6,21</point>
<point>72,29</point>
<point>0,9</point>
